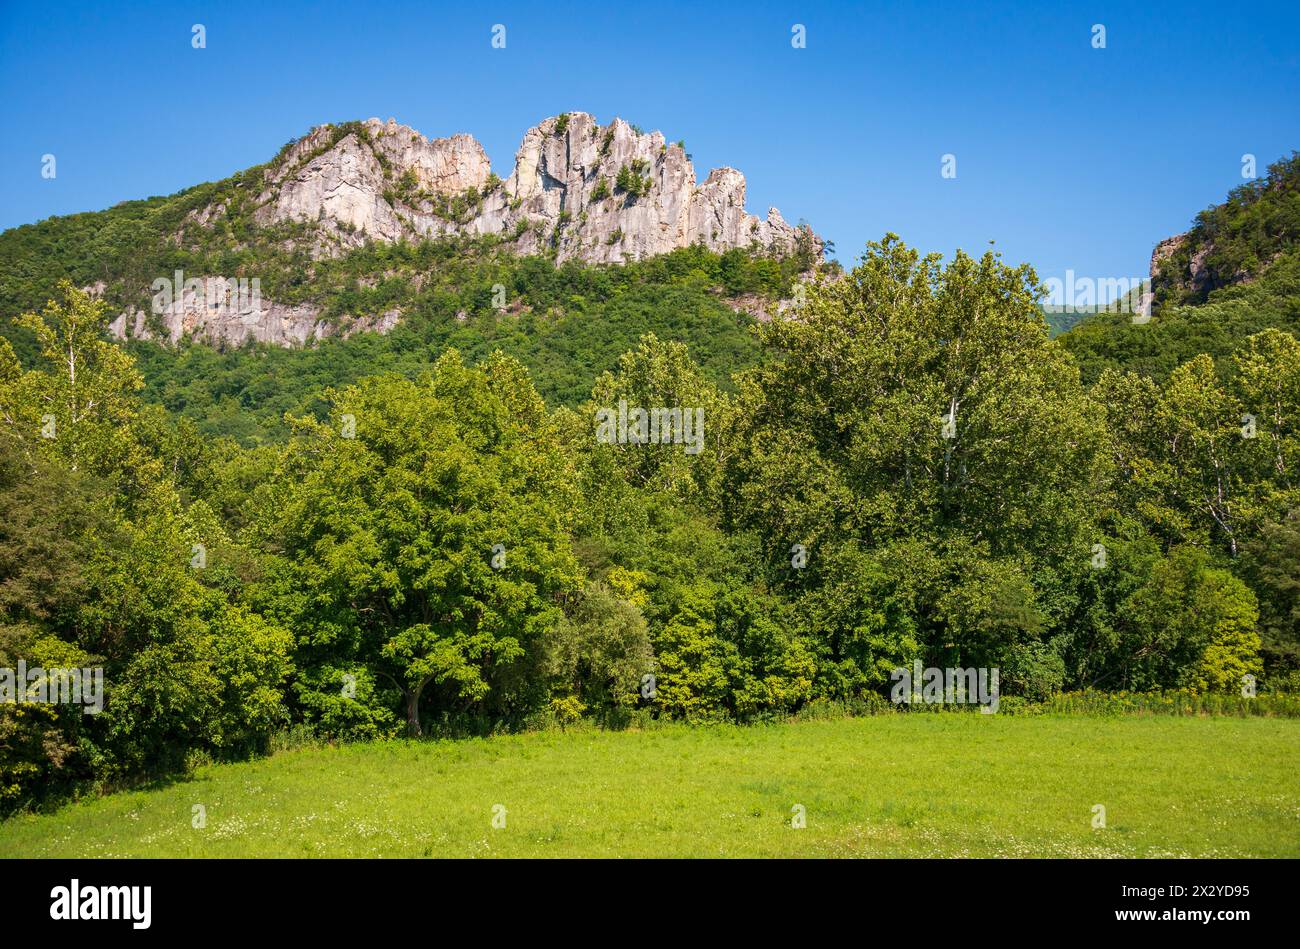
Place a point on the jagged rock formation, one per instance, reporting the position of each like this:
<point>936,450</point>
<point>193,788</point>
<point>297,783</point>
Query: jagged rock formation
<point>348,187</point>
<point>1165,272</point>
<point>1181,270</point>
<point>599,194</point>
<point>1146,297</point>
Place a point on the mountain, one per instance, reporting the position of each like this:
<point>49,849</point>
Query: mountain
<point>296,229</point>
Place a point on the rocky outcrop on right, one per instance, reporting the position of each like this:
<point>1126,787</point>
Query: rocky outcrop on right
<point>1175,267</point>
<point>1235,242</point>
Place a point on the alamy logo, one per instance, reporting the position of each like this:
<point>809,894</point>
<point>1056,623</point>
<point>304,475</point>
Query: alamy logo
<point>216,295</point>
<point>656,426</point>
<point>39,685</point>
<point>1074,294</point>
<point>103,902</point>
<point>946,686</point>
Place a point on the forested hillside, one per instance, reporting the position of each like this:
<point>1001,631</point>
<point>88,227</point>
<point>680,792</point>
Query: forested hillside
<point>1234,274</point>
<point>566,323</point>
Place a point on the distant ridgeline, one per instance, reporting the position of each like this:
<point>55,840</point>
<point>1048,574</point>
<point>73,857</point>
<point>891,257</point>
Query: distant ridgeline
<point>1062,318</point>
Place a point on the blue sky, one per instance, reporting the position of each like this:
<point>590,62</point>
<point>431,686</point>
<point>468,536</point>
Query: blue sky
<point>1067,156</point>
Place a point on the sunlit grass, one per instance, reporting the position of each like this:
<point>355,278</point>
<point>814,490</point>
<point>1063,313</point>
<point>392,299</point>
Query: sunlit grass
<point>897,785</point>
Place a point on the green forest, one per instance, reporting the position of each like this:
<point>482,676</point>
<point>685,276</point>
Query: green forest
<point>420,533</point>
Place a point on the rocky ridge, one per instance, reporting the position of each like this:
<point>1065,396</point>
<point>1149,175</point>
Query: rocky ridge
<point>579,190</point>
<point>597,194</point>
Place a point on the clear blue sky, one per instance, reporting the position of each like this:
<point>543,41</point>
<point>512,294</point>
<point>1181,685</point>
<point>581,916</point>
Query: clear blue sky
<point>1067,156</point>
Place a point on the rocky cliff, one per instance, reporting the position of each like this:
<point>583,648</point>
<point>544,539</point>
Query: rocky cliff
<point>601,194</point>
<point>1175,265</point>
<point>1183,268</point>
<point>232,319</point>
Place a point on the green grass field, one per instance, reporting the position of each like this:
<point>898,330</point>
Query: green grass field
<point>898,785</point>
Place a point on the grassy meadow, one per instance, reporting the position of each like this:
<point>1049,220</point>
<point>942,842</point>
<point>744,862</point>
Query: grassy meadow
<point>945,785</point>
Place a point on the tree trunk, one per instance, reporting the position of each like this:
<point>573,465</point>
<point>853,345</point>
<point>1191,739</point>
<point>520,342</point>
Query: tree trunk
<point>413,711</point>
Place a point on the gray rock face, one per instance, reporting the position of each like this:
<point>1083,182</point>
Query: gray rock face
<point>1163,251</point>
<point>347,187</point>
<point>212,313</point>
<point>1191,275</point>
<point>1194,277</point>
<point>564,192</point>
